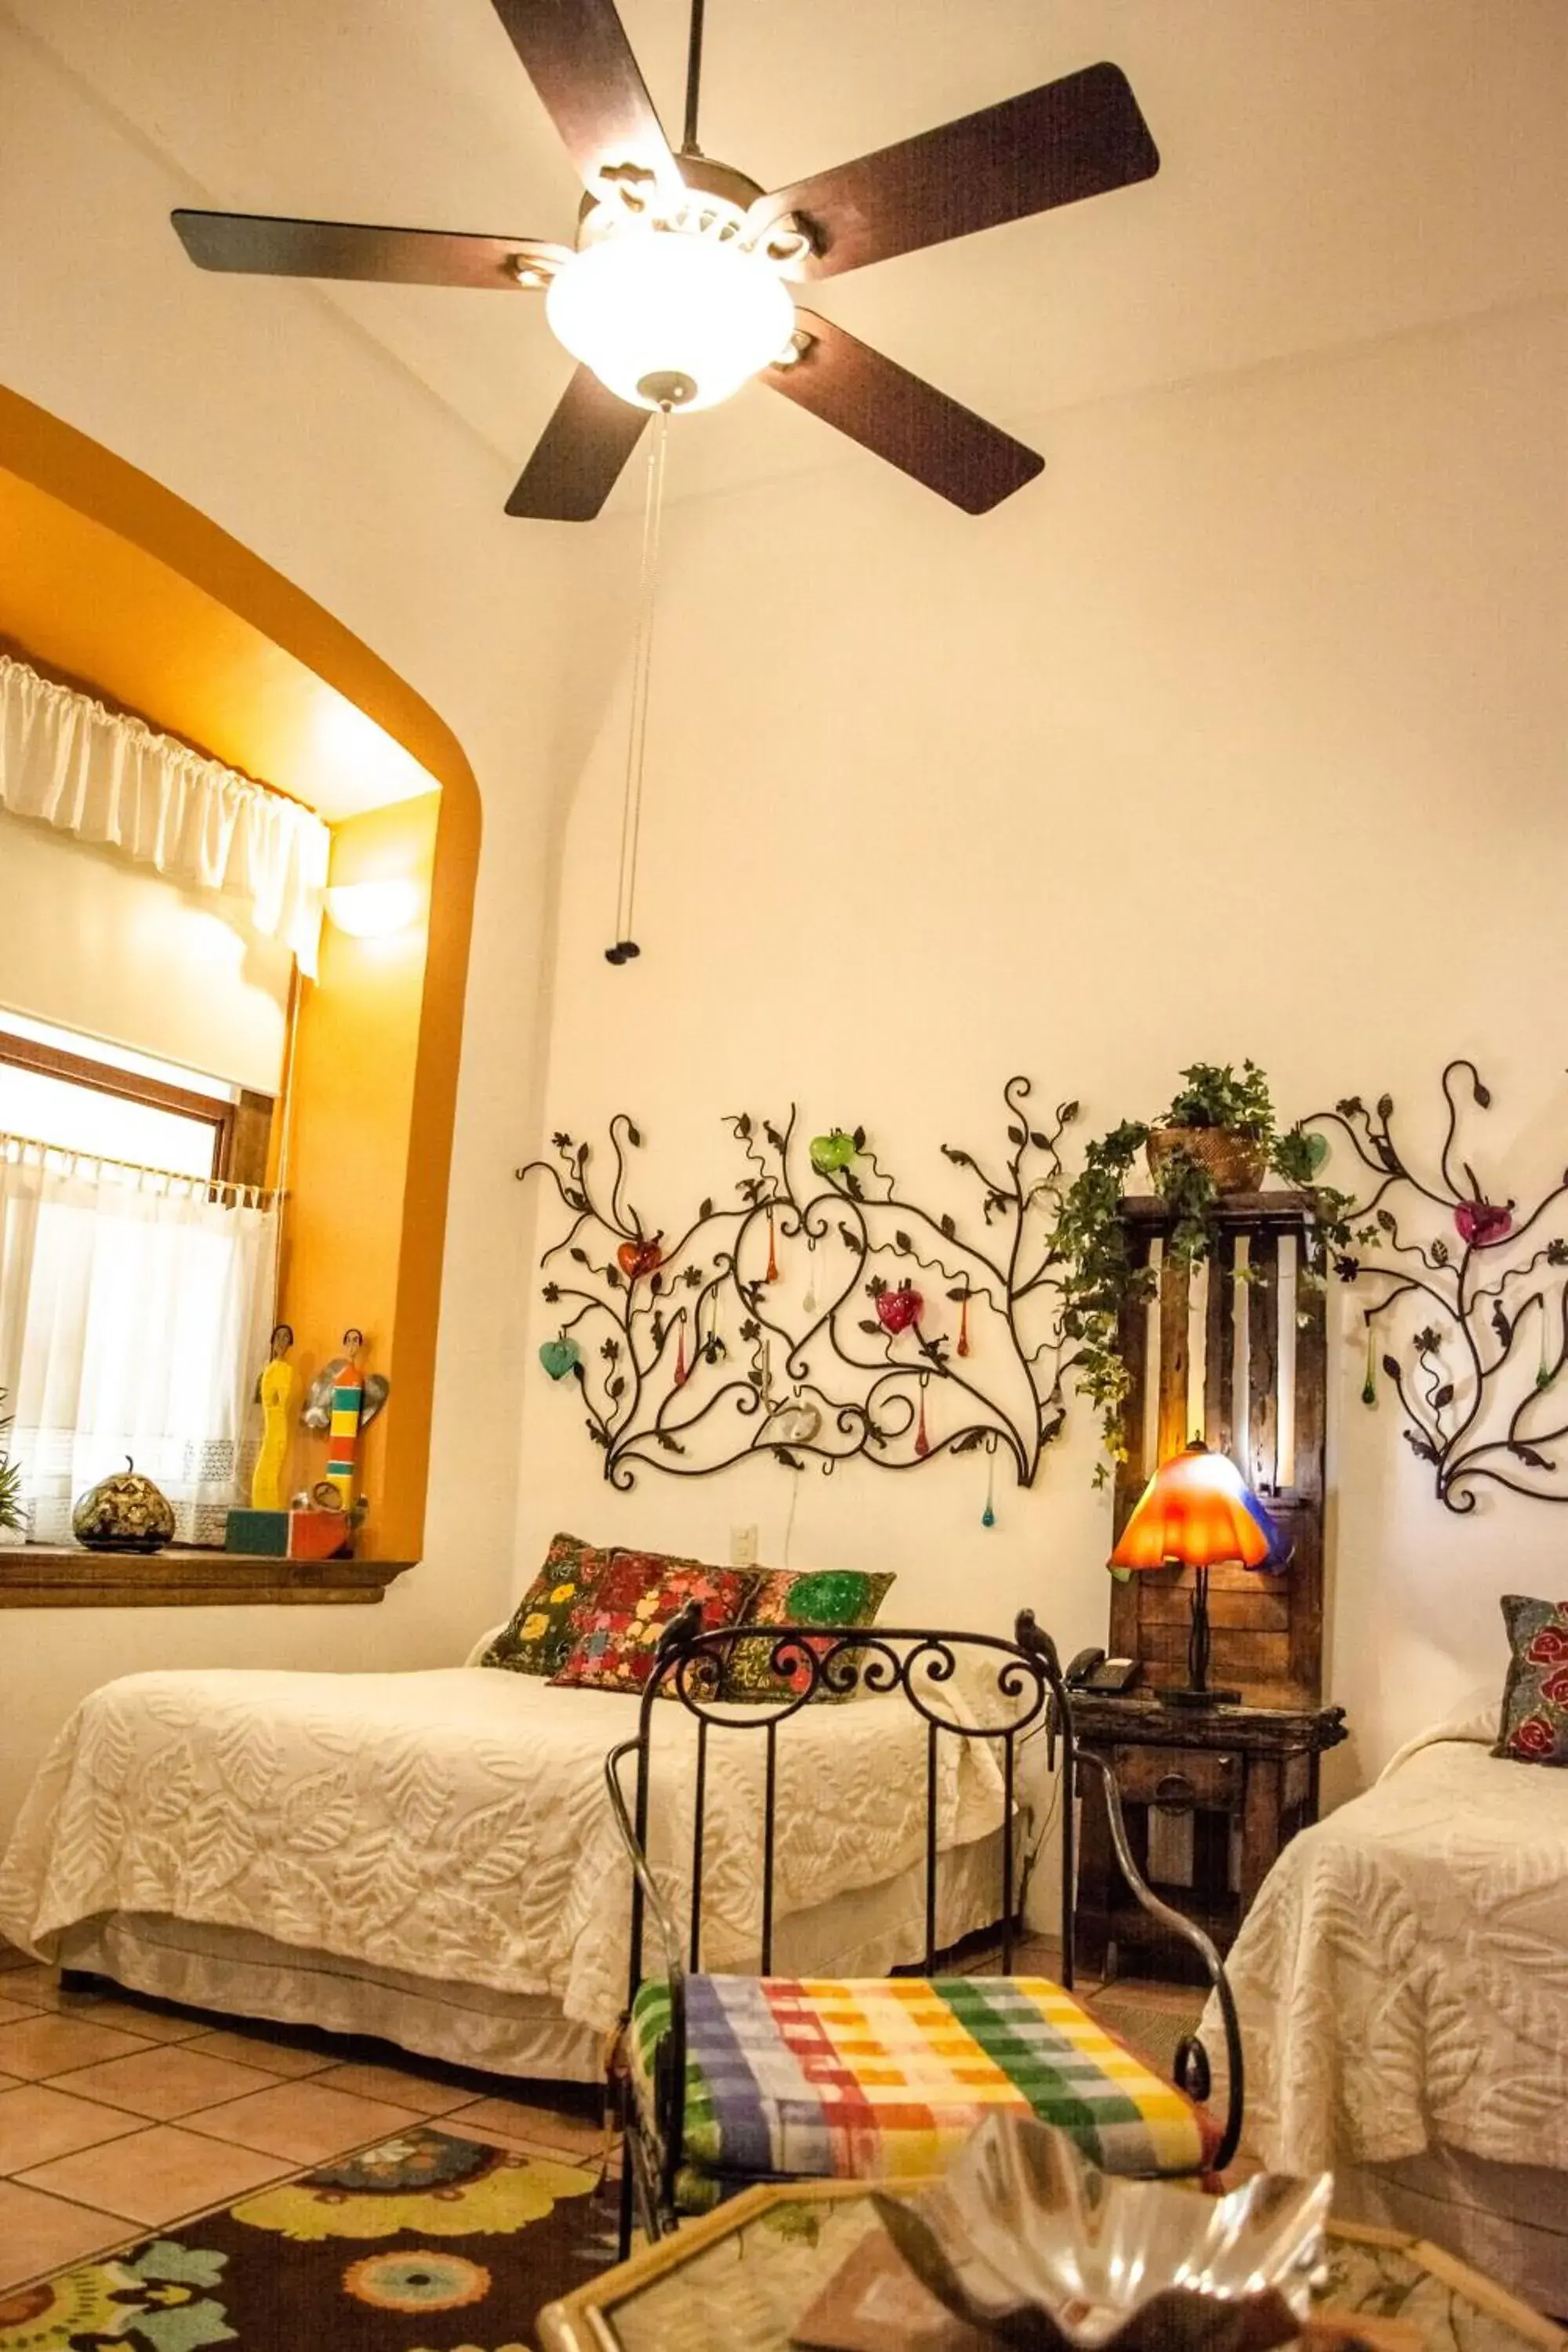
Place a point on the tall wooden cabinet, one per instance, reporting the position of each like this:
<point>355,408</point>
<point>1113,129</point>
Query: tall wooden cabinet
<point>1235,1354</point>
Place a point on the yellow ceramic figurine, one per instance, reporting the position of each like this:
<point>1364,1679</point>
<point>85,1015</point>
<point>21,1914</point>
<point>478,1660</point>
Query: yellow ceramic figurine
<point>275,1389</point>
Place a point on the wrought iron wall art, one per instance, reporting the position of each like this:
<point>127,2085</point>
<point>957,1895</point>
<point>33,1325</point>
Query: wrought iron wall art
<point>825,1315</point>
<point>1472,1326</point>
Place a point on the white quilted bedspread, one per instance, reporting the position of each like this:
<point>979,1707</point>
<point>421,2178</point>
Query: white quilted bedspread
<point>454,1822</point>
<point>1403,1977</point>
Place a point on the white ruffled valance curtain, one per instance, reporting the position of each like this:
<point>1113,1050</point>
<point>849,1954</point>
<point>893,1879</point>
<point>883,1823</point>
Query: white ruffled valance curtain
<point>134,1310</point>
<point>73,763</point>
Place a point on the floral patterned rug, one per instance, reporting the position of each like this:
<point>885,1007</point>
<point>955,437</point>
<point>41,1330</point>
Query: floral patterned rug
<point>425,2243</point>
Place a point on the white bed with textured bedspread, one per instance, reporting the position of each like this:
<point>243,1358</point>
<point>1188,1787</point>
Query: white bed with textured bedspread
<point>431,1855</point>
<point>1403,1985</point>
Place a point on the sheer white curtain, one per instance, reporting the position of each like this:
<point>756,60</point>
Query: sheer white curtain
<point>134,1314</point>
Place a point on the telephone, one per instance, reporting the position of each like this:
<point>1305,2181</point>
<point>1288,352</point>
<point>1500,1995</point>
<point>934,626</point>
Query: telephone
<point>1091,1670</point>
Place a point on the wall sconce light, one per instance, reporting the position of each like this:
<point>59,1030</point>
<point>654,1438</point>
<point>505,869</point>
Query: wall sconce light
<point>373,910</point>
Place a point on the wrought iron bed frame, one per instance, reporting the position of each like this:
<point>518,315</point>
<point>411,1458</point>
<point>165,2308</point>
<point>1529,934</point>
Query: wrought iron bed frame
<point>840,1660</point>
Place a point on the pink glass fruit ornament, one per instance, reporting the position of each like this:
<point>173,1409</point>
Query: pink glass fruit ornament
<point>1481,1223</point>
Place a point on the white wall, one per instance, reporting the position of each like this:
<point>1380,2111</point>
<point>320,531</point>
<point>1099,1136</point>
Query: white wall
<point>1240,733</point>
<point>288,426</point>
<point>96,944</point>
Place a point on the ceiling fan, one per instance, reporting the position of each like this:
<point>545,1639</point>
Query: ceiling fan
<point>677,290</point>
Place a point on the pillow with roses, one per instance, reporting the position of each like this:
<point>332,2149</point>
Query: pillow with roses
<point>1533,1726</point>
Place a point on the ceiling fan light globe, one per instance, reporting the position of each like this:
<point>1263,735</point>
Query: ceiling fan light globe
<point>647,304</point>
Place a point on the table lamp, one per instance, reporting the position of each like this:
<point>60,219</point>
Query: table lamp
<point>1199,1512</point>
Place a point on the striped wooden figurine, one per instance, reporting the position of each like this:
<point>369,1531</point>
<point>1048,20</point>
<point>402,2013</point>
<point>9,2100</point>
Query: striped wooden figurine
<point>348,1403</point>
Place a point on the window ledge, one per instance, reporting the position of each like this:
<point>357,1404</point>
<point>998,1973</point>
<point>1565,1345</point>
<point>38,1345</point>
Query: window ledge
<point>42,1576</point>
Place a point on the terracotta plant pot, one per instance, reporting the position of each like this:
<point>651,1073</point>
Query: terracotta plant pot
<point>1236,1162</point>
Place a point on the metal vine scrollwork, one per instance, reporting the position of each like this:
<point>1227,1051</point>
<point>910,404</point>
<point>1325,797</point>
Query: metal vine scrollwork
<point>1474,1315</point>
<point>825,1315</point>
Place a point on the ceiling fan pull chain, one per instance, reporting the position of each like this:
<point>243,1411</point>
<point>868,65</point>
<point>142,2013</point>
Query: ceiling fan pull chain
<point>625,946</point>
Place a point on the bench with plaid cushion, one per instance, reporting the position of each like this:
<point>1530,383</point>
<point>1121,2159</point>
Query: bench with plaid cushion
<point>882,2078</point>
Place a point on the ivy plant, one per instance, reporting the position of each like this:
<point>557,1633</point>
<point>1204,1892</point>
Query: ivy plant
<point>1089,1238</point>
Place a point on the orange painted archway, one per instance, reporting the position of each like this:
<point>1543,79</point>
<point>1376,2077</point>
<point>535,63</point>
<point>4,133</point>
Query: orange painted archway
<point>197,633</point>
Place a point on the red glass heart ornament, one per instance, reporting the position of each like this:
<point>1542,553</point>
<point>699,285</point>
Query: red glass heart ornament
<point>1480,1223</point>
<point>637,1258</point>
<point>897,1309</point>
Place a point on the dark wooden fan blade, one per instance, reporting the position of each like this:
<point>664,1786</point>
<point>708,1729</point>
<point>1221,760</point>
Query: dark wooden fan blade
<point>577,55</point>
<point>904,419</point>
<point>579,455</point>
<point>1070,139</point>
<point>256,242</point>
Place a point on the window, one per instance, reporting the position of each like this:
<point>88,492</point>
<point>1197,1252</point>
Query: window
<point>84,1095</point>
<point>138,1260</point>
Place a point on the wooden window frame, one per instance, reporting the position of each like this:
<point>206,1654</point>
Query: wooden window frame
<point>241,1129</point>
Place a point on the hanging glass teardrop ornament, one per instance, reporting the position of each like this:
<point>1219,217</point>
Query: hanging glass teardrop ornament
<point>988,1516</point>
<point>680,1355</point>
<point>1369,1385</point>
<point>809,1301</point>
<point>963,1326</point>
<point>773,1250</point>
<point>1545,1374</point>
<point>922,1442</point>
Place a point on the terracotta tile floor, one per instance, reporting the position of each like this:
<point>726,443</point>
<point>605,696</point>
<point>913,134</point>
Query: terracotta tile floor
<point>118,2115</point>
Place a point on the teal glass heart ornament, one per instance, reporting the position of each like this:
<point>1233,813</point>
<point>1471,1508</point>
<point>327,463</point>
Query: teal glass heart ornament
<point>1317,1152</point>
<point>560,1357</point>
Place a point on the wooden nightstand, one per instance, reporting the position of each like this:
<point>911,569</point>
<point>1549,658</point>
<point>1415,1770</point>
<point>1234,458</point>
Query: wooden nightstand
<point>1246,1777</point>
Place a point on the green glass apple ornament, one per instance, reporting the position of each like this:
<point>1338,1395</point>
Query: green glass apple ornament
<point>831,1154</point>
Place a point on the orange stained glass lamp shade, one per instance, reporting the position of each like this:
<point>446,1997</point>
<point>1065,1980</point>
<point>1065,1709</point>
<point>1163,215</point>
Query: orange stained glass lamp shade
<point>1197,1511</point>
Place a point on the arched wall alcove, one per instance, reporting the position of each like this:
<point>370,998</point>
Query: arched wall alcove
<point>115,581</point>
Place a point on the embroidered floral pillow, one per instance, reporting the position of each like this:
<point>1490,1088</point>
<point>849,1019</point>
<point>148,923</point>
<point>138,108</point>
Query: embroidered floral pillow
<point>615,1630</point>
<point>1533,1728</point>
<point>539,1634</point>
<point>829,1596</point>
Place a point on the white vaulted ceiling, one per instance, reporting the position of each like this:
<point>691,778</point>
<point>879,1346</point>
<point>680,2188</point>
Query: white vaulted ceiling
<point>1332,171</point>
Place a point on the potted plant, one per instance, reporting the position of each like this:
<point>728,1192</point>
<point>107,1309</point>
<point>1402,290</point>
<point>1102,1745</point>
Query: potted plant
<point>13,1518</point>
<point>1219,1136</point>
<point>1224,1123</point>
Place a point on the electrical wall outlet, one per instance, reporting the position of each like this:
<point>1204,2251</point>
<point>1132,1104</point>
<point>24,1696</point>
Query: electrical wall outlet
<point>742,1546</point>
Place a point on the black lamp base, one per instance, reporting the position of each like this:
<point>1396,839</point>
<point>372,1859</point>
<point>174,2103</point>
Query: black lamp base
<point>1194,1699</point>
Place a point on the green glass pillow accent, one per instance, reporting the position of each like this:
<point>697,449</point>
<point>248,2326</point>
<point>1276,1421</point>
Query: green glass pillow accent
<point>828,1596</point>
<point>539,1638</point>
<point>1533,1725</point>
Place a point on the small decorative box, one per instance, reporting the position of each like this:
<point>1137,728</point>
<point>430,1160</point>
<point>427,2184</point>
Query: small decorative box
<point>287,1535</point>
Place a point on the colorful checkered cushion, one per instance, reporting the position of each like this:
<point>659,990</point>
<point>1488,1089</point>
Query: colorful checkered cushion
<point>884,2078</point>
